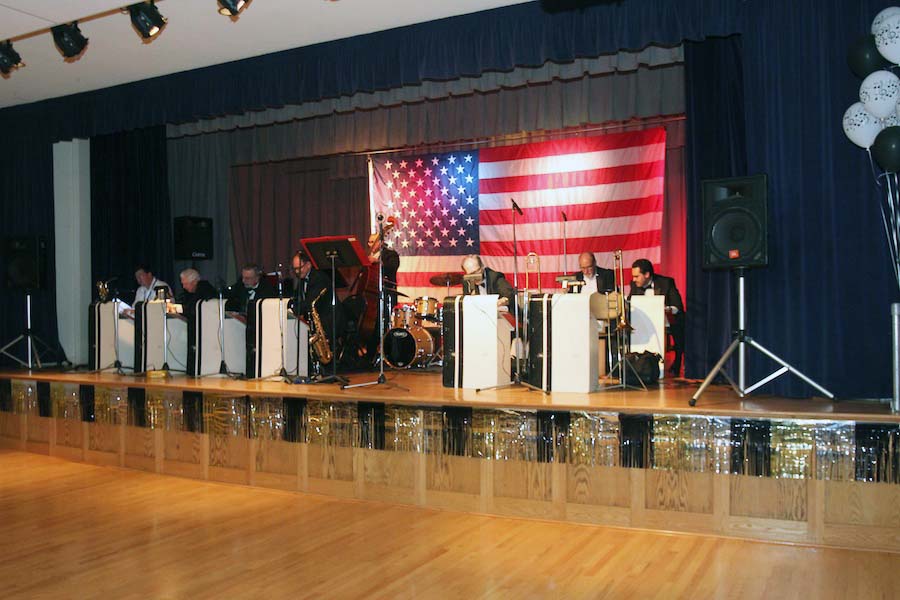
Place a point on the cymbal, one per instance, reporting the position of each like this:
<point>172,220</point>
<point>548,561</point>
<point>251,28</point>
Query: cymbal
<point>446,279</point>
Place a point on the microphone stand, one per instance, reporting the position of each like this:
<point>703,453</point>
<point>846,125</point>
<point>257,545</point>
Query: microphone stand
<point>282,373</point>
<point>381,379</point>
<point>517,371</point>
<point>565,279</point>
<point>334,377</point>
<point>224,371</point>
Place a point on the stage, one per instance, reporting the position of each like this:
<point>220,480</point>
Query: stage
<point>424,389</point>
<point>775,469</point>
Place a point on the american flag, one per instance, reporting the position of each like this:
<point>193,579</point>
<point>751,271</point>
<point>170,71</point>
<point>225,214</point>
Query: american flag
<point>447,205</point>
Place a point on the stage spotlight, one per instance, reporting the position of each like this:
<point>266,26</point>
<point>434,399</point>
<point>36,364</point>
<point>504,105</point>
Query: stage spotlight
<point>231,8</point>
<point>69,40</point>
<point>9,58</point>
<point>146,19</point>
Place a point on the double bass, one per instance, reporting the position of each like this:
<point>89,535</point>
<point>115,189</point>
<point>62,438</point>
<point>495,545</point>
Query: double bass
<point>362,294</point>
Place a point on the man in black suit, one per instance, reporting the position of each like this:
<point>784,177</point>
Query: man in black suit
<point>193,289</point>
<point>252,286</point>
<point>310,284</point>
<point>488,281</point>
<point>643,282</point>
<point>597,278</point>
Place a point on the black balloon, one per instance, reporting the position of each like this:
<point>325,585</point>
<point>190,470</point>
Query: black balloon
<point>886,149</point>
<point>864,58</point>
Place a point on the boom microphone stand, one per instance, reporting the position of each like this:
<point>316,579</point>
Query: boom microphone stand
<point>224,371</point>
<point>381,379</point>
<point>117,363</point>
<point>517,371</point>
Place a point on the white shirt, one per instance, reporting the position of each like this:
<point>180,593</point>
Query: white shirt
<point>590,285</point>
<point>146,294</point>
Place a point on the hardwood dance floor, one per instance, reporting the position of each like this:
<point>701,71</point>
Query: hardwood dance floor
<point>72,530</point>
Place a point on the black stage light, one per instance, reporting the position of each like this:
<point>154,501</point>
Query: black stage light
<point>9,58</point>
<point>146,19</point>
<point>231,8</point>
<point>68,39</point>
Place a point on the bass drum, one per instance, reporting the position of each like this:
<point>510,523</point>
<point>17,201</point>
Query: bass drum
<point>408,347</point>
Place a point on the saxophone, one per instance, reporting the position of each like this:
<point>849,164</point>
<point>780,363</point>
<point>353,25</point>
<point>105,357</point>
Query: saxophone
<point>318,341</point>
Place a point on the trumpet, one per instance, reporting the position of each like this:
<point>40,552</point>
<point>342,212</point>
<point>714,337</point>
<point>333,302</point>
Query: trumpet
<point>623,324</point>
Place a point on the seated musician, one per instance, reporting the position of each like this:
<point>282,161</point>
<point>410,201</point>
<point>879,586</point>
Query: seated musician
<point>309,284</point>
<point>193,289</point>
<point>597,279</point>
<point>644,282</point>
<point>252,286</point>
<point>148,284</point>
<point>488,282</point>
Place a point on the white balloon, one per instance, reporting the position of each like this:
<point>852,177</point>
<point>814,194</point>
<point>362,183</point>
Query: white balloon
<point>892,120</point>
<point>887,38</point>
<point>861,126</point>
<point>880,92</point>
<point>883,16</point>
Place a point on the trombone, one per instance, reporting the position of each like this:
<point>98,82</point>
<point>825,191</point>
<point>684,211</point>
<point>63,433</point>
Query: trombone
<point>623,324</point>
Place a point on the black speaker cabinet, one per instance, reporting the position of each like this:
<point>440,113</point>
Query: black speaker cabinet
<point>25,262</point>
<point>735,225</point>
<point>193,238</point>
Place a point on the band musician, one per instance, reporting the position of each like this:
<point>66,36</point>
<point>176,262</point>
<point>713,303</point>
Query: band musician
<point>311,284</point>
<point>596,279</point>
<point>252,286</point>
<point>645,281</point>
<point>487,281</point>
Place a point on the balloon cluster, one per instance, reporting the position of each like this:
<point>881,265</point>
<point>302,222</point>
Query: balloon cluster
<point>873,123</point>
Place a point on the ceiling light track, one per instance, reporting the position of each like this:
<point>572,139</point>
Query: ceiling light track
<point>145,17</point>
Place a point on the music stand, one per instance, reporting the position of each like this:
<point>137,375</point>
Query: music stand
<point>334,251</point>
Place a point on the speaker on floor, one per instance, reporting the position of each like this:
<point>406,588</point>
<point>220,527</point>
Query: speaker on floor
<point>735,223</point>
<point>25,262</point>
<point>193,238</point>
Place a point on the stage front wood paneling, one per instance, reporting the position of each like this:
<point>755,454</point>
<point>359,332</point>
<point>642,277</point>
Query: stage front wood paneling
<point>808,472</point>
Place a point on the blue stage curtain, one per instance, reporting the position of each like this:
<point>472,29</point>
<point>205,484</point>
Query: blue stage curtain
<point>26,208</point>
<point>130,215</point>
<point>715,147</point>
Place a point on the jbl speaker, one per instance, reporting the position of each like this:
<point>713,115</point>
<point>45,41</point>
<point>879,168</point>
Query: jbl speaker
<point>735,225</point>
<point>25,262</point>
<point>193,238</point>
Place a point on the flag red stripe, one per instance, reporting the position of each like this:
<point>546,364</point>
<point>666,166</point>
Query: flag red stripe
<point>573,145</point>
<point>642,239</point>
<point>508,185</point>
<point>575,212</point>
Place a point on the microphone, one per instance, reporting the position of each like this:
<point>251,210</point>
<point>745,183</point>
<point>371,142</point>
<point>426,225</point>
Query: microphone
<point>564,217</point>
<point>516,207</point>
<point>379,217</point>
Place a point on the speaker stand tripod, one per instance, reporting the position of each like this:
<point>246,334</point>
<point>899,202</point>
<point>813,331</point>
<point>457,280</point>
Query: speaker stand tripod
<point>33,355</point>
<point>739,344</point>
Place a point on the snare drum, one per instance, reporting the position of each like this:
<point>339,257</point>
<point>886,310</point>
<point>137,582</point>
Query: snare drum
<point>428,308</point>
<point>405,348</point>
<point>404,316</point>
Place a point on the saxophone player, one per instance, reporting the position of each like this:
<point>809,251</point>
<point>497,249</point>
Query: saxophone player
<point>309,284</point>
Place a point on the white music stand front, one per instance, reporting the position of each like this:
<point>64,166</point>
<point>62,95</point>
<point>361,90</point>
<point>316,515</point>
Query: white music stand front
<point>485,344</point>
<point>648,317</point>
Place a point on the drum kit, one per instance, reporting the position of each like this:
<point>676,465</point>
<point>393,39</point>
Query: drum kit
<point>414,338</point>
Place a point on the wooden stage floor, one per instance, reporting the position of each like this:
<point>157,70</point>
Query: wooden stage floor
<point>424,388</point>
<point>78,530</point>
